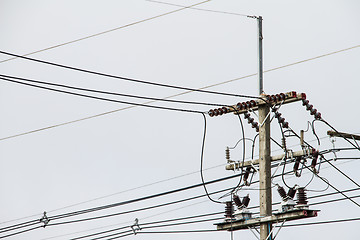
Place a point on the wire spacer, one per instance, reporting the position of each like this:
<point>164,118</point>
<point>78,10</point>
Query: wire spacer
<point>45,220</point>
<point>135,227</point>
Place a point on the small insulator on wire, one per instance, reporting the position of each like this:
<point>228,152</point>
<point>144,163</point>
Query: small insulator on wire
<point>305,102</point>
<point>282,192</point>
<point>296,166</point>
<point>211,113</point>
<point>250,120</point>
<point>309,107</point>
<point>293,94</point>
<point>285,125</point>
<point>246,115</point>
<point>229,210</point>
<point>318,115</point>
<point>246,200</point>
<point>216,112</point>
<point>303,96</point>
<point>220,111</point>
<point>291,192</point>
<point>301,197</point>
<point>313,111</point>
<point>225,109</point>
<point>277,114</point>
<point>255,125</point>
<point>272,98</point>
<point>281,120</point>
<point>237,200</point>
<point>239,106</point>
<point>252,103</point>
<point>282,96</point>
<point>227,154</point>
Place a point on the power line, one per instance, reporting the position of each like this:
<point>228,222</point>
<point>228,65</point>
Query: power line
<point>107,31</point>
<point>100,98</point>
<point>323,222</point>
<point>129,79</point>
<point>176,95</point>
<point>110,93</point>
<point>202,9</point>
<point>84,211</point>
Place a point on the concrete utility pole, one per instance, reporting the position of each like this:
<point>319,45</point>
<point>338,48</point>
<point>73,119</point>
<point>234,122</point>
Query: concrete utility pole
<point>264,149</point>
<point>242,219</point>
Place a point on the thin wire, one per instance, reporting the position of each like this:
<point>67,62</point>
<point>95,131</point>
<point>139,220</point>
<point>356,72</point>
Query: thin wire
<point>111,93</point>
<point>107,31</point>
<point>323,222</point>
<point>202,9</point>
<point>100,98</point>
<point>128,79</point>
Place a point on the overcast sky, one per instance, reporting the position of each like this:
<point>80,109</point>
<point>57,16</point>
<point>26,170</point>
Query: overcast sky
<point>100,160</point>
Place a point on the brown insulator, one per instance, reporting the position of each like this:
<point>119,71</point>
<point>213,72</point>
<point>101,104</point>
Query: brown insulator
<point>305,102</point>
<point>301,196</point>
<point>211,113</point>
<point>229,210</point>
<point>246,201</point>
<point>282,192</point>
<point>309,107</point>
<point>291,192</point>
<point>285,125</point>
<point>318,115</point>
<point>237,200</point>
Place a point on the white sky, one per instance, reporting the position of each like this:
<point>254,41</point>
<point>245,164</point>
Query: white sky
<point>66,165</point>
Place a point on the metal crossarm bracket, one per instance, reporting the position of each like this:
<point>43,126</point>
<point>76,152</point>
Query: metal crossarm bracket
<point>288,216</point>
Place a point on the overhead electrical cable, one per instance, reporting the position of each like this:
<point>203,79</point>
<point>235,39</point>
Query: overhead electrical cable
<point>101,98</point>
<point>110,30</point>
<point>175,95</point>
<point>75,213</point>
<point>135,188</point>
<point>109,93</point>
<point>130,79</point>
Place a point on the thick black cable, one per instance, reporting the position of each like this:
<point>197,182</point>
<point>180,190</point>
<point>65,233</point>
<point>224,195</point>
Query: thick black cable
<point>141,199</point>
<point>341,172</point>
<point>75,213</point>
<point>125,78</point>
<point>244,147</point>
<point>161,226</point>
<point>129,201</point>
<point>149,223</point>
<point>322,120</point>
<point>24,224</point>
<point>217,213</point>
<point>102,99</point>
<point>327,182</point>
<point>135,210</point>
<point>111,93</point>
<point>202,162</point>
<point>19,232</point>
